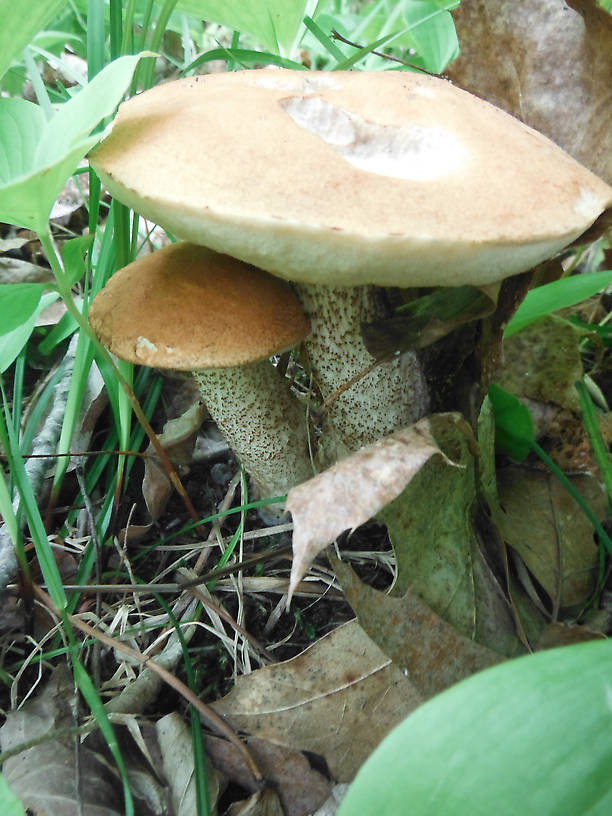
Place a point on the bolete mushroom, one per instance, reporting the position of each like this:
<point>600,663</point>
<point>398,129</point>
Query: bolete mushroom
<point>345,181</point>
<point>186,307</point>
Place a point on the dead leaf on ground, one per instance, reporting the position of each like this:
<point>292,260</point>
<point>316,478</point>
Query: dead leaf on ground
<point>442,555</point>
<point>300,787</point>
<point>174,739</point>
<point>542,362</point>
<point>178,440</point>
<point>355,489</point>
<point>262,803</point>
<point>432,652</point>
<point>14,270</point>
<point>548,63</point>
<point>338,699</point>
<point>48,778</point>
<point>559,634</point>
<point>541,365</point>
<point>543,523</point>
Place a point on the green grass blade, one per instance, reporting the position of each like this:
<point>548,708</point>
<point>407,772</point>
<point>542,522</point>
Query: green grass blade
<point>95,38</point>
<point>92,699</point>
<point>325,41</point>
<point>600,449</point>
<point>199,755</point>
<point>244,57</point>
<point>44,554</point>
<point>556,295</point>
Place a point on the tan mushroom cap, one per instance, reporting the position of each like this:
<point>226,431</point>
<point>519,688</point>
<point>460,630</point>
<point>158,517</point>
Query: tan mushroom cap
<point>348,178</point>
<point>186,307</point>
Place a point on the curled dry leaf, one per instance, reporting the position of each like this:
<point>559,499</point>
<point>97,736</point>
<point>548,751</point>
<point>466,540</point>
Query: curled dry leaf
<point>355,489</point>
<point>548,63</point>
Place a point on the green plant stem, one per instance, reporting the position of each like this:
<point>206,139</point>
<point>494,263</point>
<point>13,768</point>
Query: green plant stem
<point>116,27</point>
<point>556,470</point>
<point>600,451</point>
<point>64,289</point>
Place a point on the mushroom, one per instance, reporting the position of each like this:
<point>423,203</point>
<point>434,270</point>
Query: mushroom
<point>186,307</point>
<point>347,181</point>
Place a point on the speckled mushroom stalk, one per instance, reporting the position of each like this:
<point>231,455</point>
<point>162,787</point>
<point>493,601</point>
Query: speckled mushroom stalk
<point>391,396</point>
<point>263,423</point>
<point>188,308</point>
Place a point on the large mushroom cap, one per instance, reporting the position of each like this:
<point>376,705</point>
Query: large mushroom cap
<point>349,178</point>
<point>186,307</point>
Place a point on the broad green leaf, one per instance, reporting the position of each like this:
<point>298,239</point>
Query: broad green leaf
<point>433,35</point>
<point>513,423</point>
<point>9,803</point>
<point>20,124</point>
<point>73,256</point>
<point>274,23</point>
<point>556,295</point>
<point>27,201</point>
<point>532,737</point>
<point>13,341</point>
<point>36,157</point>
<point>18,302</point>
<point>20,23</point>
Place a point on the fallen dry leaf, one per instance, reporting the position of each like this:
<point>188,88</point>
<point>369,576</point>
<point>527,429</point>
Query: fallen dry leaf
<point>548,63</point>
<point>339,698</point>
<point>443,554</point>
<point>543,523</point>
<point>178,440</point>
<point>432,653</point>
<point>355,489</point>
<point>542,362</point>
<point>47,777</point>
<point>262,803</point>
<point>559,634</point>
<point>301,788</point>
<point>174,739</point>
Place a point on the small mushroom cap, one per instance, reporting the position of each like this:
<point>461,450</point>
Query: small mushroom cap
<point>186,307</point>
<point>348,178</point>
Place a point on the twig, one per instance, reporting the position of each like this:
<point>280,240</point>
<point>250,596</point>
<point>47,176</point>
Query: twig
<point>205,711</point>
<point>337,36</point>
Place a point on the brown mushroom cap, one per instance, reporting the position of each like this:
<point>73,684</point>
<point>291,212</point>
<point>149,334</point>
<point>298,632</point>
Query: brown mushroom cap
<point>186,307</point>
<point>348,178</point>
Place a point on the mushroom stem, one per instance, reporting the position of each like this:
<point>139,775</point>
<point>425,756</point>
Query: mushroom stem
<point>263,424</point>
<point>392,395</point>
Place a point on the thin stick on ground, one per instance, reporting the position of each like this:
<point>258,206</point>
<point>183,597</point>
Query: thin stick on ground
<point>208,714</point>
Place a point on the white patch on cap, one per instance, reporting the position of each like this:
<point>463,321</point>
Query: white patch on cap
<point>414,152</point>
<point>588,205</point>
<point>143,345</point>
<point>422,90</point>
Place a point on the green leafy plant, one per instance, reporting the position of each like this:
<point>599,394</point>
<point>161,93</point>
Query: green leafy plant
<point>531,736</point>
